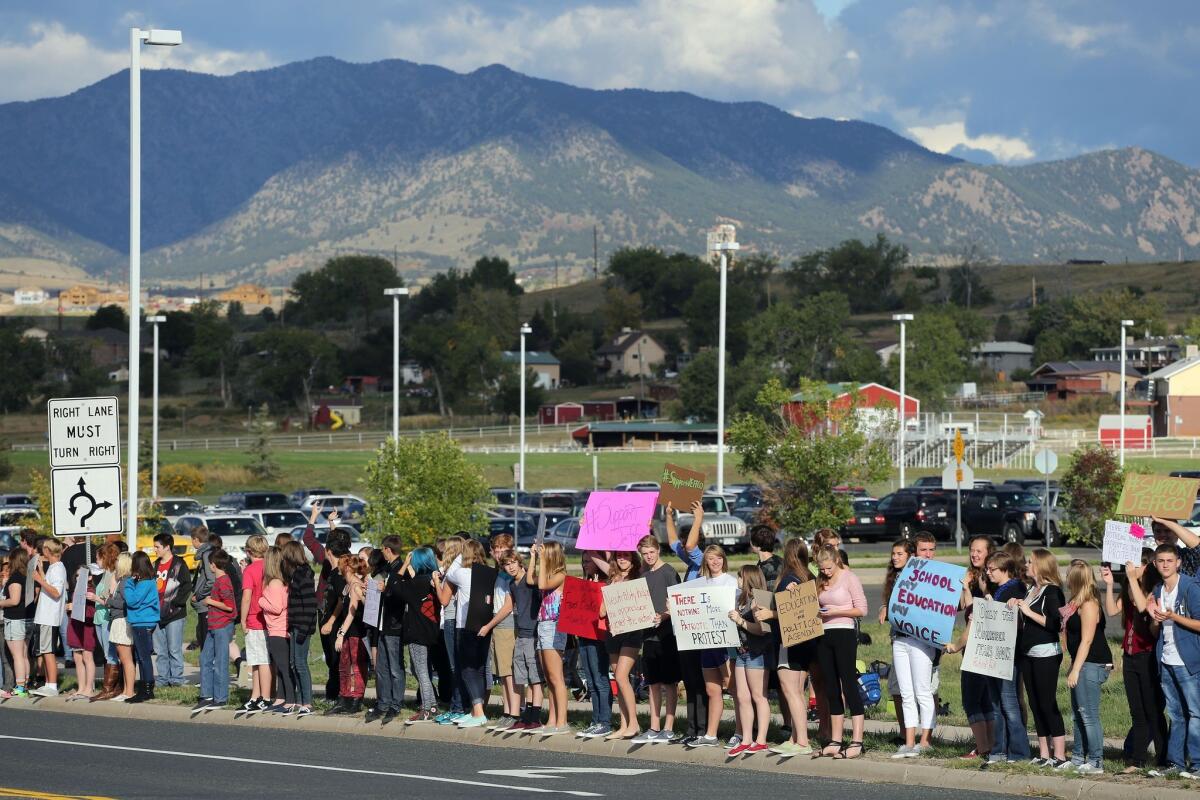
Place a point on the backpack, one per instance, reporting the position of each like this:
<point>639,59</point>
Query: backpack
<point>869,688</point>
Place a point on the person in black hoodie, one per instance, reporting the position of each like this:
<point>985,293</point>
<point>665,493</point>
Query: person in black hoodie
<point>302,621</point>
<point>330,585</point>
<point>1041,654</point>
<point>174,587</point>
<point>421,630</point>
<point>389,659</point>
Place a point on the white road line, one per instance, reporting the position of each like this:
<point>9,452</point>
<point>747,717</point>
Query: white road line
<point>262,762</point>
<point>549,772</point>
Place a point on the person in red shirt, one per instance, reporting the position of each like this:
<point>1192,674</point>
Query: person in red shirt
<point>214,653</point>
<point>257,656</point>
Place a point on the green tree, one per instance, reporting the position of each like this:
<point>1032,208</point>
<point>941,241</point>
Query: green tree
<point>263,465</point>
<point>622,309</point>
<point>286,365</point>
<point>508,392</point>
<point>212,352</point>
<point>422,488</point>
<point>577,359</point>
<point>702,313</point>
<point>1091,487</point>
<point>939,353</point>
<point>491,272</point>
<point>800,464</point>
<point>802,341</point>
<point>345,288</point>
<point>108,317</point>
<point>698,387</point>
<point>1068,327</point>
<point>24,369</point>
<point>463,360</point>
<point>863,272</point>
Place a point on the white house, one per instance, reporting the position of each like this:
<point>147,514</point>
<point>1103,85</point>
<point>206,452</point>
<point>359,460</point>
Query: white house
<point>29,296</point>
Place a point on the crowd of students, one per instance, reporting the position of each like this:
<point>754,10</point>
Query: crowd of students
<point>476,616</point>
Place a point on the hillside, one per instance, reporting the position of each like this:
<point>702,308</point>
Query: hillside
<point>266,173</point>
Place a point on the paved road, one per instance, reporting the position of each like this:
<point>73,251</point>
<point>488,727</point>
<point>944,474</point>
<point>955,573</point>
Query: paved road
<point>121,758</point>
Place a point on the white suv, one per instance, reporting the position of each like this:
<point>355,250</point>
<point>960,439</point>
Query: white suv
<point>234,530</point>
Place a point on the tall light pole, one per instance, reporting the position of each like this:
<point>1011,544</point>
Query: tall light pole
<point>154,413</point>
<point>1125,323</point>
<point>724,248</point>
<point>396,294</point>
<point>525,331</point>
<point>903,319</point>
<point>136,37</point>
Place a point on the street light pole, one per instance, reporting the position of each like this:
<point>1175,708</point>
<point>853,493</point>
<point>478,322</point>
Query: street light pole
<point>154,413</point>
<point>724,248</point>
<point>396,294</point>
<point>1125,323</point>
<point>903,319</point>
<point>525,330</point>
<point>136,37</point>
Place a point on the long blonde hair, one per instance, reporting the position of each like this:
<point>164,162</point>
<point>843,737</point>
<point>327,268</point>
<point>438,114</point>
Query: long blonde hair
<point>124,566</point>
<point>553,561</point>
<point>710,550</point>
<point>827,552</point>
<point>1081,583</point>
<point>1045,567</point>
<point>473,553</point>
<point>272,566</point>
<point>451,549</point>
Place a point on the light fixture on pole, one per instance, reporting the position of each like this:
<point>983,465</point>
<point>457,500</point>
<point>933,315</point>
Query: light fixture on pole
<point>396,294</point>
<point>902,411</point>
<point>155,321</point>
<point>525,331</point>
<point>136,37</point>
<point>724,248</point>
<point>1125,323</point>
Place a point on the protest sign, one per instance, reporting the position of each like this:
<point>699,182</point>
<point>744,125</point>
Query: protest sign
<point>579,611</point>
<point>763,598</point>
<point>700,615</point>
<point>799,614</point>
<point>992,644</point>
<point>79,597</point>
<point>924,601</point>
<point>680,487</point>
<point>371,603</point>
<point>1123,541</point>
<point>1156,496</point>
<point>615,520</point>
<point>628,606</point>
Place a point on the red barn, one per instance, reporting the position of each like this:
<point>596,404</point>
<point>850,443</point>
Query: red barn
<point>559,413</point>
<point>602,410</point>
<point>1138,431</point>
<point>874,402</point>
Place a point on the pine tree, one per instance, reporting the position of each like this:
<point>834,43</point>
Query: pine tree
<point>262,462</point>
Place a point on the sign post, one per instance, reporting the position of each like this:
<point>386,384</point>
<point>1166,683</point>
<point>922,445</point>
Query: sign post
<point>85,467</point>
<point>955,476</point>
<point>1045,462</point>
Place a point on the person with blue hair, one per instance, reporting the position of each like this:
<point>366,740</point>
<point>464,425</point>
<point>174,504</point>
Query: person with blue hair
<point>421,626</point>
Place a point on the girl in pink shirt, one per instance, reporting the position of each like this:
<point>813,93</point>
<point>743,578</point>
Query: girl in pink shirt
<point>843,602</point>
<point>274,604</point>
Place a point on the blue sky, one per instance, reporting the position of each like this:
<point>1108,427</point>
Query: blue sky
<point>991,80</point>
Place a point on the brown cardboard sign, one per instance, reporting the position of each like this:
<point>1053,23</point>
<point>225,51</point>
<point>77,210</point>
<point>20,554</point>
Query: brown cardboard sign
<point>680,487</point>
<point>799,614</point>
<point>1156,496</point>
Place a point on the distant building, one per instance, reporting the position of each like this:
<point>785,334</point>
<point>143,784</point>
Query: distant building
<point>1004,358</point>
<point>108,346</point>
<point>1146,354</point>
<point>544,365</point>
<point>643,434</point>
<point>1062,380</point>
<point>248,294</point>
<point>119,375</point>
<point>876,404</point>
<point>29,296</point>
<point>886,351</point>
<point>1174,392</point>
<point>630,353</point>
<point>79,296</point>
<point>560,413</point>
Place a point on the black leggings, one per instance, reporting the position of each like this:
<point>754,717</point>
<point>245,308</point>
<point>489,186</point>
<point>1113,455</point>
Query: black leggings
<point>697,697</point>
<point>836,654</point>
<point>1143,691</point>
<point>281,662</point>
<point>1040,674</point>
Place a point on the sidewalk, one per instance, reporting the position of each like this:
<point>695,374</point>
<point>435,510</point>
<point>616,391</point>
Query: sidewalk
<point>872,768</point>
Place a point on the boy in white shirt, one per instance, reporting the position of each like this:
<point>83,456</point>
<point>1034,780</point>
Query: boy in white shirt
<point>51,577</point>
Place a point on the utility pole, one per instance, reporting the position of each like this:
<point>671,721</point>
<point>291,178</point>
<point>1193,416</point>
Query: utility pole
<point>595,254</point>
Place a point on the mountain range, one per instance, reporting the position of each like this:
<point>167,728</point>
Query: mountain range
<point>262,174</point>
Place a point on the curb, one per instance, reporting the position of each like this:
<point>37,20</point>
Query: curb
<point>866,770</point>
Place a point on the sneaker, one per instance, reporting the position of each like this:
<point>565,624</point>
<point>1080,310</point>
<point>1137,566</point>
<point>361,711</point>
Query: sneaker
<point>532,728</point>
<point>997,759</point>
<point>20,691</point>
<point>1054,763</point>
<point>441,719</point>
<point>373,714</point>
<point>250,706</point>
<point>904,751</point>
<point>755,748</point>
<point>472,722</point>
<point>389,716</point>
<point>548,731</point>
<point>424,715</point>
<point>520,726</point>
<point>450,719</point>
<point>591,731</point>
<point>1088,769</point>
<point>204,704</point>
<point>705,741</point>
<point>1066,766</point>
<point>921,749</point>
<point>646,737</point>
<point>277,708</point>
<point>1038,762</point>
<point>790,749</point>
<point>504,724</point>
<point>734,741</point>
<point>264,704</point>
<point>303,711</point>
<point>667,737</point>
<point>1189,776</point>
<point>971,756</point>
<point>737,750</point>
<point>46,691</point>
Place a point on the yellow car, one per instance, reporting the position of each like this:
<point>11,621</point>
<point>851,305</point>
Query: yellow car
<point>183,544</point>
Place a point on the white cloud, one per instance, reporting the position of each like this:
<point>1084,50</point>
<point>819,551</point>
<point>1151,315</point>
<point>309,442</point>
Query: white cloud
<point>712,47</point>
<point>1074,36</point>
<point>51,60</point>
<point>945,137</point>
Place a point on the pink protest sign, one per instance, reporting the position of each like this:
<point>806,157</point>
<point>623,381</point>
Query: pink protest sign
<point>616,520</point>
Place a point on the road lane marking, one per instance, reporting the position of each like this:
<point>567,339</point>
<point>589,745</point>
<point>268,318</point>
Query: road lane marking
<point>27,794</point>
<point>319,767</point>
<point>549,772</point>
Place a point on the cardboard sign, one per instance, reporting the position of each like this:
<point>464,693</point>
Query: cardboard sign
<point>579,611</point>
<point>680,487</point>
<point>700,615</point>
<point>371,604</point>
<point>1123,542</point>
<point>799,614</point>
<point>1156,496</point>
<point>924,601</point>
<point>79,598</point>
<point>628,606</point>
<point>763,598</point>
<point>992,644</point>
<point>615,520</point>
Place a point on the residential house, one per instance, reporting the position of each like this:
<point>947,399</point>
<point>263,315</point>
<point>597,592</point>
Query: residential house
<point>1147,354</point>
<point>631,353</point>
<point>1063,380</point>
<point>1174,392</point>
<point>30,296</point>
<point>875,404</point>
<point>1004,358</point>
<point>79,296</point>
<point>544,365</point>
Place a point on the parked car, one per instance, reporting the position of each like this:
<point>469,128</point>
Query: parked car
<point>1052,537</point>
<point>17,500</point>
<point>1008,515</point>
<point>283,521</point>
<point>927,482</point>
<point>865,523</point>
<point>511,497</point>
<point>1034,485</point>
<point>566,533</point>
<point>10,538</point>
<point>719,526</point>
<point>253,501</point>
<point>1185,473</point>
<point>522,529</point>
<point>328,502</point>
<point>298,497</point>
<point>559,498</point>
<point>911,511</point>
<point>637,486</point>
<point>11,516</point>
<point>175,507</point>
<point>234,529</point>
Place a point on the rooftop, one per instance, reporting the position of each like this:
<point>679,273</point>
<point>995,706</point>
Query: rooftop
<point>532,357</point>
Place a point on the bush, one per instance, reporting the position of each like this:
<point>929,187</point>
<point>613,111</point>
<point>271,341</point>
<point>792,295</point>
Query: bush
<point>1091,485</point>
<point>181,479</point>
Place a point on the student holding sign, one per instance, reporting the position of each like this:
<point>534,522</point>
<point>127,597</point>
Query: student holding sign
<point>548,570</point>
<point>750,666</point>
<point>1185,542</point>
<point>714,662</point>
<point>593,655</point>
<point>623,648</point>
<point>660,655</point>
<point>1011,736</point>
<point>911,679</point>
<point>976,693</point>
<point>1091,662</point>
<point>692,556</point>
<point>1041,654</point>
<point>842,603</point>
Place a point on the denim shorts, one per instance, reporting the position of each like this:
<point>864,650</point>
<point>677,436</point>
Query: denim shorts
<point>749,661</point>
<point>14,630</point>
<point>548,636</point>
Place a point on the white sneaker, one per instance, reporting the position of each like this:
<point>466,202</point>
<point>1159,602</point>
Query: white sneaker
<point>1088,769</point>
<point>904,751</point>
<point>46,691</point>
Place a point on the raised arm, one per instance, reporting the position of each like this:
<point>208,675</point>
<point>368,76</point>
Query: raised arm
<point>1186,537</point>
<point>1112,603</point>
<point>1135,588</point>
<point>693,539</point>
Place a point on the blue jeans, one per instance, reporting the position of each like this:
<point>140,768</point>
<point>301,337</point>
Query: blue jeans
<point>977,697</point>
<point>110,652</point>
<point>214,664</point>
<point>593,658</point>
<point>1182,690</point>
<point>1012,739</point>
<point>450,636</point>
<point>389,674</point>
<point>301,677</point>
<point>143,649</point>
<point>168,647</point>
<point>1085,708</point>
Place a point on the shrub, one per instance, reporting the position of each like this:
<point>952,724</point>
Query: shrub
<point>181,479</point>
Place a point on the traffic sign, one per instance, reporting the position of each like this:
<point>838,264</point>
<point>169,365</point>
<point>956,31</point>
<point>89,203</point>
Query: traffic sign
<point>84,431</point>
<point>86,500</point>
<point>1045,461</point>
<point>958,446</point>
<point>958,477</point>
